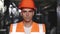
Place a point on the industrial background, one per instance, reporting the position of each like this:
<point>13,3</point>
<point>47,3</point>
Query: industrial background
<point>45,13</point>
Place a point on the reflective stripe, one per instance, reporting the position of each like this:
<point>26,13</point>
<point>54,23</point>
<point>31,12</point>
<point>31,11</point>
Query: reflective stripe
<point>16,33</point>
<point>41,29</point>
<point>37,32</point>
<point>14,27</point>
<point>24,33</point>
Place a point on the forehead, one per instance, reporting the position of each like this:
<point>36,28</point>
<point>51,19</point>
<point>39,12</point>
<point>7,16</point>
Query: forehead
<point>27,9</point>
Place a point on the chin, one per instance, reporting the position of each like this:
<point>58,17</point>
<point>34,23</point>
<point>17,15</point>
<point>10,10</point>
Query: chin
<point>27,20</point>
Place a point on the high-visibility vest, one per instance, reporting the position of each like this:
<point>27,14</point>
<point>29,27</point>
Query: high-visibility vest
<point>19,29</point>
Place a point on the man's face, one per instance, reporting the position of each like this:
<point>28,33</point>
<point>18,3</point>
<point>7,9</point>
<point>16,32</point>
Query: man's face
<point>27,14</point>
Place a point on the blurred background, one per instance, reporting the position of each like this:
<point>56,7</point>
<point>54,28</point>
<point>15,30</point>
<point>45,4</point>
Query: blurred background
<point>58,17</point>
<point>45,13</point>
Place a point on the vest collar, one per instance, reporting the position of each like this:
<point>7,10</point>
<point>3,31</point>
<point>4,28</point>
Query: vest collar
<point>20,27</point>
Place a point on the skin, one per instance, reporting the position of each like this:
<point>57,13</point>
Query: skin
<point>27,15</point>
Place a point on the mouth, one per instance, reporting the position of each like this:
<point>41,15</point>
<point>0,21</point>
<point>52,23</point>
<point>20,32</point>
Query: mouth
<point>27,18</point>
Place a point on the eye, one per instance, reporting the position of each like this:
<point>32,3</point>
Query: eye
<point>31,11</point>
<point>24,11</point>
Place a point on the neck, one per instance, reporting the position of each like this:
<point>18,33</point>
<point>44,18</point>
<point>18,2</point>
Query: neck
<point>27,23</point>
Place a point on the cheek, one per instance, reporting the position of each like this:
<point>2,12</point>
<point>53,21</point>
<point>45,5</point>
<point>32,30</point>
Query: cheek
<point>31,15</point>
<point>23,15</point>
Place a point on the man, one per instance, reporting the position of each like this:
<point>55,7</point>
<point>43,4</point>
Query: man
<point>27,26</point>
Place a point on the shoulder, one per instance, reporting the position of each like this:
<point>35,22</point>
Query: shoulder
<point>42,27</point>
<point>16,23</point>
<point>39,23</point>
<point>42,24</point>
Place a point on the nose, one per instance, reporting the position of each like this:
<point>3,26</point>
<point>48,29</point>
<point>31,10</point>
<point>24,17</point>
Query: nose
<point>27,14</point>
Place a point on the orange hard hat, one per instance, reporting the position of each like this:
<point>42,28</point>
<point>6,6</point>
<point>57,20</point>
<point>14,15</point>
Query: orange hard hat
<point>27,4</point>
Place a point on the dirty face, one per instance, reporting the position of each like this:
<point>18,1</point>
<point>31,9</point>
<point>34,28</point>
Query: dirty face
<point>27,14</point>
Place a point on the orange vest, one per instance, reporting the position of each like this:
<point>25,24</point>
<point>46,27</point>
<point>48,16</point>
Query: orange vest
<point>19,29</point>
